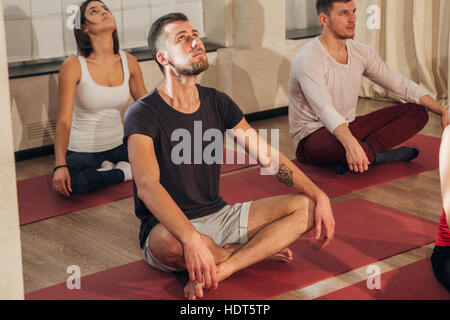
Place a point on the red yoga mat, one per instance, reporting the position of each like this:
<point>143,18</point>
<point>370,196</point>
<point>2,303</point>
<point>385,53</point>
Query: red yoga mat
<point>38,201</point>
<point>252,185</point>
<point>365,233</point>
<point>412,282</point>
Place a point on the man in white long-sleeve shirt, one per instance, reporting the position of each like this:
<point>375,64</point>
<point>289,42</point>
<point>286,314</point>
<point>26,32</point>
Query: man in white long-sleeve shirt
<point>324,85</point>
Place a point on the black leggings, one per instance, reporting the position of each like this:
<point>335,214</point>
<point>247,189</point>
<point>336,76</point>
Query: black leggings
<point>441,265</point>
<point>83,169</point>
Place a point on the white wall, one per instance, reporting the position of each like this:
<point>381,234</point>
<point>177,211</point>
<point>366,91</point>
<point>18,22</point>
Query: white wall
<point>11,278</point>
<point>301,14</point>
<point>36,29</point>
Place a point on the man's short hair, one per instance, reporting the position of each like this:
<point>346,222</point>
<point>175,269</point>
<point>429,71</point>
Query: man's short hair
<point>157,35</point>
<point>324,6</point>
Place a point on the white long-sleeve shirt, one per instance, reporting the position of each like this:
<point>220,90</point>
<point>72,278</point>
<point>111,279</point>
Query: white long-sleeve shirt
<point>324,93</point>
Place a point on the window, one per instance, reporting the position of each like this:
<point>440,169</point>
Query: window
<point>36,30</point>
<point>301,19</point>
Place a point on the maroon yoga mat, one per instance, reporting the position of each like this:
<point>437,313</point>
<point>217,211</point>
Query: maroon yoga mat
<point>365,233</point>
<point>415,281</point>
<point>254,186</point>
<point>37,200</point>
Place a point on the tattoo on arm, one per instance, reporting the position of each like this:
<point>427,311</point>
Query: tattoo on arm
<point>284,175</point>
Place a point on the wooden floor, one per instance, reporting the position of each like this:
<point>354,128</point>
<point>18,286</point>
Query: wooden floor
<point>104,237</point>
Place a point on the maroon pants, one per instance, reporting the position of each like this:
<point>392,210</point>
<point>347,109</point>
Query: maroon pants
<point>378,131</point>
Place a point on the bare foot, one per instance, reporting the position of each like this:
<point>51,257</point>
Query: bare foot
<point>193,290</point>
<point>284,255</point>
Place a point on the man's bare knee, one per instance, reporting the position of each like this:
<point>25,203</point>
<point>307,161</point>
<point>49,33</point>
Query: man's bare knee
<point>304,212</point>
<point>207,240</point>
<point>165,247</point>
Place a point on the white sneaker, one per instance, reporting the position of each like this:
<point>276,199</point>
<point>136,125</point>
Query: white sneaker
<point>126,168</point>
<point>106,166</point>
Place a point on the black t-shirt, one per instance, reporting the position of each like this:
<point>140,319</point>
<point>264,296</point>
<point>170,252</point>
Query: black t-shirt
<point>194,183</point>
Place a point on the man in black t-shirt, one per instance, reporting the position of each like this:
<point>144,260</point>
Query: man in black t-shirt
<point>171,135</point>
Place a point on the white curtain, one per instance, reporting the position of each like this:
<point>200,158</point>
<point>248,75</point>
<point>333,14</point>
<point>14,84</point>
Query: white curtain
<point>413,39</point>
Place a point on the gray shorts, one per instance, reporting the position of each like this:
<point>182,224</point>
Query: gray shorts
<point>226,226</point>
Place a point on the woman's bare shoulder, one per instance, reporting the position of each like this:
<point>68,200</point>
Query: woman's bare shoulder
<point>71,67</point>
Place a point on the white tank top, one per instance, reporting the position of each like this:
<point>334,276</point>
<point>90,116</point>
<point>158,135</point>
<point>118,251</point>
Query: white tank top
<point>97,123</point>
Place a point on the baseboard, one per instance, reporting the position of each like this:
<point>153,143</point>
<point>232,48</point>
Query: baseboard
<point>34,153</point>
<point>267,114</point>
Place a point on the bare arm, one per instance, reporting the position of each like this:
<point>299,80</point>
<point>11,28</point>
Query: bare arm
<point>444,170</point>
<point>289,174</point>
<point>137,86</point>
<point>69,76</point>
<point>146,172</point>
<point>144,165</point>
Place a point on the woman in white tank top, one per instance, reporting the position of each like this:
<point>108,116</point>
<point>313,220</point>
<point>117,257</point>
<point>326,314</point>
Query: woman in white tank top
<point>93,88</point>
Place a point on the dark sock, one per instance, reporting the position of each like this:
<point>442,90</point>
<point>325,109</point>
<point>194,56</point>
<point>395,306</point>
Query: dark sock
<point>340,168</point>
<point>391,156</point>
<point>396,155</point>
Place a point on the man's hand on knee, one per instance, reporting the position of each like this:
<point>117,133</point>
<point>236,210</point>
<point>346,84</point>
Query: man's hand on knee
<point>323,215</point>
<point>356,157</point>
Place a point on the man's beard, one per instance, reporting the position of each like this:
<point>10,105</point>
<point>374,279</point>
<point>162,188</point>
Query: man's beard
<point>192,69</point>
<point>341,35</point>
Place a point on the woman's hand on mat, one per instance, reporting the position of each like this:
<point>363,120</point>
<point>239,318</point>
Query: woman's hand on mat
<point>61,181</point>
<point>323,215</point>
<point>356,157</point>
<point>200,263</point>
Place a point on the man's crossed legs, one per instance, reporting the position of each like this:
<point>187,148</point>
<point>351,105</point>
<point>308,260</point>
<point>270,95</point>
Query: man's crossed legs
<point>377,132</point>
<point>237,236</point>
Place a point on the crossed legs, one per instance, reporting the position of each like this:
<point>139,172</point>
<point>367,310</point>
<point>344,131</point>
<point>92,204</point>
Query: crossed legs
<point>273,224</point>
<point>378,131</point>
<point>83,169</point>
